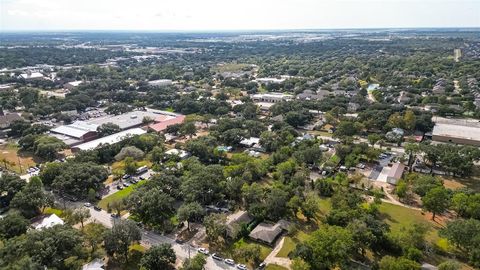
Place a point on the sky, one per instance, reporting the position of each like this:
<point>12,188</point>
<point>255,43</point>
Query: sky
<point>211,15</point>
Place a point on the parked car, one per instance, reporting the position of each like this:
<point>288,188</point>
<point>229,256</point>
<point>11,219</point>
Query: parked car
<point>241,267</point>
<point>230,262</point>
<point>87,204</point>
<point>119,187</point>
<point>126,176</point>
<point>126,184</point>
<point>262,266</point>
<point>97,208</point>
<point>217,257</point>
<point>115,215</point>
<point>203,251</point>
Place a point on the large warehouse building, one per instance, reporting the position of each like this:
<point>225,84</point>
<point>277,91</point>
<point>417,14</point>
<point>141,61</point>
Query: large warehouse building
<point>80,132</point>
<point>459,131</point>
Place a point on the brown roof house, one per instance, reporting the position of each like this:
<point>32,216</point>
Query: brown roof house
<point>235,222</point>
<point>7,119</point>
<point>395,173</point>
<point>268,233</point>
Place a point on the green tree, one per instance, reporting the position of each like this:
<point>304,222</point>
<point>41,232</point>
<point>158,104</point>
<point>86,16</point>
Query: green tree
<point>190,212</point>
<point>59,247</point>
<point>449,265</point>
<point>119,239</point>
<point>327,248</point>
<point>93,234</point>
<point>80,215</point>
<point>215,227</point>
<point>152,206</point>
<point>13,225</point>
<point>373,138</point>
<point>196,263</point>
<point>188,129</point>
<point>392,263</point>
<point>161,257</point>
<point>465,235</point>
<point>30,199</point>
<point>437,200</point>
<point>108,129</point>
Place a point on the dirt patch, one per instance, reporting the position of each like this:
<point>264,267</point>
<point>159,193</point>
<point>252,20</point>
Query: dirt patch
<point>13,159</point>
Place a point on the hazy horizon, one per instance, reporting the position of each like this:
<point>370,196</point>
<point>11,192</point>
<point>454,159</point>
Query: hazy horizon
<point>235,16</point>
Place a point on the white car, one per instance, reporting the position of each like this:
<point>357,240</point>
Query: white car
<point>203,251</point>
<point>241,266</point>
<point>87,204</point>
<point>229,262</point>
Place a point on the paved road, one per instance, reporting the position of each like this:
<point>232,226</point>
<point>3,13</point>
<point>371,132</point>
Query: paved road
<point>149,238</point>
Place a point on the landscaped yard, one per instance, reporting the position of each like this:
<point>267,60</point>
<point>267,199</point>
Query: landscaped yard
<point>119,195</point>
<point>229,252</point>
<point>291,242</point>
<point>275,267</point>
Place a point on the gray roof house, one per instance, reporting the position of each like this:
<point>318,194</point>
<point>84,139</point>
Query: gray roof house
<point>235,221</point>
<point>268,233</point>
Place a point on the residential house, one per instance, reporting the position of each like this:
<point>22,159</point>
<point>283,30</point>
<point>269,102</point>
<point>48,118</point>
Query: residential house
<point>395,173</point>
<point>268,233</point>
<point>48,221</point>
<point>7,119</point>
<point>235,222</point>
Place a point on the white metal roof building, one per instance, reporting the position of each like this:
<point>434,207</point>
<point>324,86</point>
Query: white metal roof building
<point>111,139</point>
<point>126,120</point>
<point>458,131</point>
<point>77,129</point>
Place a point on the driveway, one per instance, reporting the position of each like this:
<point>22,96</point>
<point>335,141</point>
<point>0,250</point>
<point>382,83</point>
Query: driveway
<point>272,259</point>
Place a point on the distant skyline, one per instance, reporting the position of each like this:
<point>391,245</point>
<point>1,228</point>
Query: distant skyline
<point>211,15</point>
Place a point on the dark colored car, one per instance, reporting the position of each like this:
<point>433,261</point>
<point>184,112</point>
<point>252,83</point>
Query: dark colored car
<point>217,257</point>
<point>97,208</point>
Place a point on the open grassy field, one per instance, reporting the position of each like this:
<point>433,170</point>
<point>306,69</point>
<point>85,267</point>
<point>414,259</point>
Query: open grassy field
<point>119,195</point>
<point>13,159</point>
<point>471,182</point>
<point>230,67</point>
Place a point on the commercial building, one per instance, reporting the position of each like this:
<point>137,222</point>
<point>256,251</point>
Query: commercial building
<point>31,76</point>
<point>163,121</point>
<point>128,120</point>
<point>163,82</point>
<point>109,140</point>
<point>75,133</point>
<point>271,97</point>
<point>72,85</point>
<point>459,131</point>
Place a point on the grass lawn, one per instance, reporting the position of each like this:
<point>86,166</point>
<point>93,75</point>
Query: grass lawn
<point>275,267</point>
<point>399,217</point>
<point>118,167</point>
<point>230,250</point>
<point>119,195</point>
<point>49,210</point>
<point>291,242</point>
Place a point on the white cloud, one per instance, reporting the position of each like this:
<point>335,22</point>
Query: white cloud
<point>238,14</point>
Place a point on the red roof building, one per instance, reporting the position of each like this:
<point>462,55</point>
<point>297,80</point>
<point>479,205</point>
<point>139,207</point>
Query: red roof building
<point>163,121</point>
